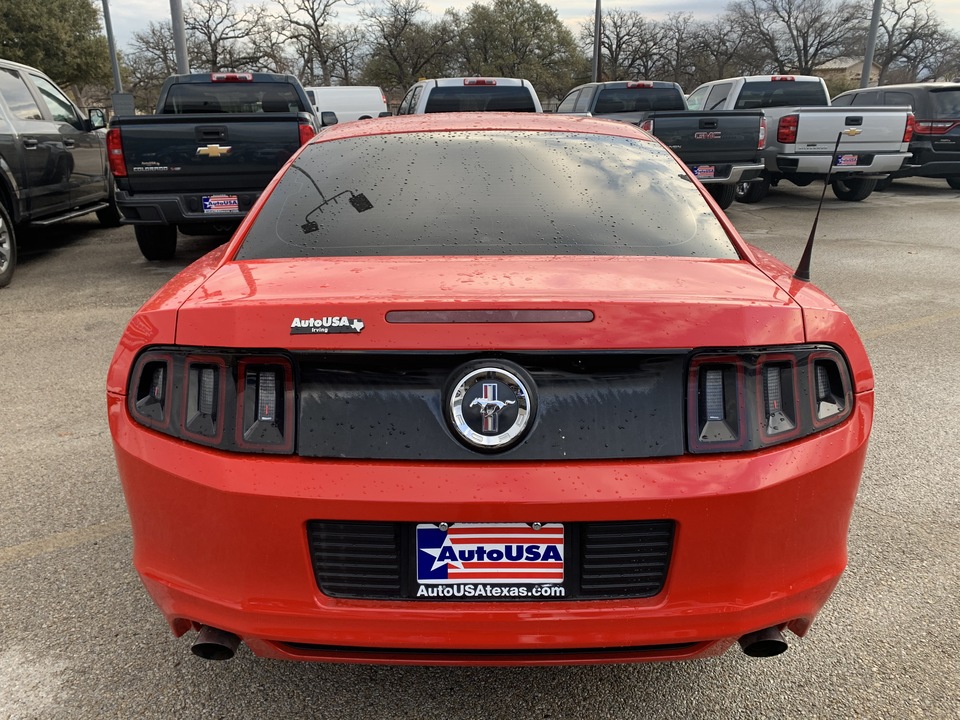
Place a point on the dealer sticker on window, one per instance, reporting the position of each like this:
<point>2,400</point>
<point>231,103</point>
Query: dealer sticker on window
<point>472,558</point>
<point>220,203</point>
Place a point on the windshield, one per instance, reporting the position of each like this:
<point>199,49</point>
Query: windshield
<point>946,104</point>
<point>619,100</point>
<point>781,93</point>
<point>231,97</point>
<point>485,193</point>
<point>480,98</point>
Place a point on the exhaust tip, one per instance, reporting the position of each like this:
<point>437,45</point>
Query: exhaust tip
<point>763,643</point>
<point>215,644</point>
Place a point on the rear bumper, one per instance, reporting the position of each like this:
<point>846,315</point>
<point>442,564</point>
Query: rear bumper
<point>738,174</point>
<point>821,164</point>
<point>182,209</point>
<point>220,540</point>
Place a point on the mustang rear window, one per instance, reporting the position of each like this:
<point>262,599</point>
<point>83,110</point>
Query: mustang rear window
<point>485,193</point>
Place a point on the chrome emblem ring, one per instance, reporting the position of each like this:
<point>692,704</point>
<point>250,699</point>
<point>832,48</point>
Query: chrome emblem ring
<point>490,405</point>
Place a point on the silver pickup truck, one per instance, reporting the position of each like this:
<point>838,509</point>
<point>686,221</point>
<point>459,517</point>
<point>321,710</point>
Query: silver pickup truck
<point>803,133</point>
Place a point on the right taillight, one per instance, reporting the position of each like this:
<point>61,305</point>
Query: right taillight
<point>787,129</point>
<point>115,153</point>
<point>750,400</point>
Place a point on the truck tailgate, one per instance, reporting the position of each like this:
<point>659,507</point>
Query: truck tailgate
<point>202,152</point>
<point>710,137</point>
<point>881,129</point>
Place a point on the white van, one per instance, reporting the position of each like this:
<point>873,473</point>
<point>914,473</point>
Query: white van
<point>349,102</point>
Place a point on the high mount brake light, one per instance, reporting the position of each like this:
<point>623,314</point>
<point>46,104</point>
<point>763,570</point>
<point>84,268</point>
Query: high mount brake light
<point>639,84</point>
<point>782,78</point>
<point>739,401</point>
<point>231,401</point>
<point>479,81</point>
<point>231,77</point>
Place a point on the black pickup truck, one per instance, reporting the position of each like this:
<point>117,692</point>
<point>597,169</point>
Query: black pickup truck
<point>200,163</point>
<point>721,148</point>
<point>53,160</point>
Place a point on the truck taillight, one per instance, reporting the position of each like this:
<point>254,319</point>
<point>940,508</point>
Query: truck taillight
<point>787,129</point>
<point>762,139</point>
<point>479,81</point>
<point>231,77</point>
<point>647,126</point>
<point>232,401</point>
<point>749,400</point>
<point>909,128</point>
<point>115,153</point>
<point>307,131</point>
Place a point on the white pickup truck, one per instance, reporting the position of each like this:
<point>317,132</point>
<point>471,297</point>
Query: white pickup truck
<point>803,130</point>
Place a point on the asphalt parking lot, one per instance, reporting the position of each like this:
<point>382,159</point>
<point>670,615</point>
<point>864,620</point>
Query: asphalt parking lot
<point>79,637</point>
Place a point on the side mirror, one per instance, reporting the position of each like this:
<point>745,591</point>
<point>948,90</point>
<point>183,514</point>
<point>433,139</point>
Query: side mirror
<point>98,118</point>
<point>385,113</point>
<point>328,117</point>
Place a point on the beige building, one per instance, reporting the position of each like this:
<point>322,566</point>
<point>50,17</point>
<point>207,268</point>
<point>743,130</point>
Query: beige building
<point>847,69</point>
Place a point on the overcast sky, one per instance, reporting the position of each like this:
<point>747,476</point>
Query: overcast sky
<point>130,16</point>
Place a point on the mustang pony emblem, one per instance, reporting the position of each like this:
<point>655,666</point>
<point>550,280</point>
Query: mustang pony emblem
<point>489,408</point>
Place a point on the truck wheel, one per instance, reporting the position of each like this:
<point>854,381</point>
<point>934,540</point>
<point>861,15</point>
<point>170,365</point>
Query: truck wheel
<point>954,182</point>
<point>157,242</point>
<point>723,194</point>
<point>752,192</point>
<point>8,248</point>
<point>110,215</point>
<point>852,189</point>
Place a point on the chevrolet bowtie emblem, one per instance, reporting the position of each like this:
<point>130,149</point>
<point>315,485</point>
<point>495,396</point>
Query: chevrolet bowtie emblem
<point>214,151</point>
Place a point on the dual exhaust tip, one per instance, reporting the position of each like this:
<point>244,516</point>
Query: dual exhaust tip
<point>215,644</point>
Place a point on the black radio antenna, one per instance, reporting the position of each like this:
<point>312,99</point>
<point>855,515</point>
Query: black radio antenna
<point>803,269</point>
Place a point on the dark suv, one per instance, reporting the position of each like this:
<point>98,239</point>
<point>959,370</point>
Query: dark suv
<point>936,137</point>
<point>53,158</point>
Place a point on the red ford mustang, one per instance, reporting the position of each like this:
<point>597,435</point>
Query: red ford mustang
<point>489,389</point>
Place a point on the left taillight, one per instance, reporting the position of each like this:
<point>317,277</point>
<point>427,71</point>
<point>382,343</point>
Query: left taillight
<point>238,402</point>
<point>739,401</point>
<point>115,153</point>
<point>787,129</point>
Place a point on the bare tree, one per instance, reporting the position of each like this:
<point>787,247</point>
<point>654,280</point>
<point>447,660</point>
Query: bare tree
<point>221,31</point>
<point>631,46</point>
<point>679,38</point>
<point>406,44</point>
<point>719,50</point>
<point>310,25</point>
<point>797,35</point>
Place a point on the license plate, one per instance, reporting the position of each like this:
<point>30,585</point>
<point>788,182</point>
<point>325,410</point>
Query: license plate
<point>489,561</point>
<point>220,203</point>
<point>847,160</point>
<point>704,171</point>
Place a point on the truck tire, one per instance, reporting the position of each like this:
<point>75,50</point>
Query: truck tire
<point>752,192</point>
<point>954,182</point>
<point>157,242</point>
<point>852,189</point>
<point>723,194</point>
<point>110,215</point>
<point>8,248</point>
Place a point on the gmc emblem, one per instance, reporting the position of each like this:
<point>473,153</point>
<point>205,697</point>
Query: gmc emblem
<point>706,136</point>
